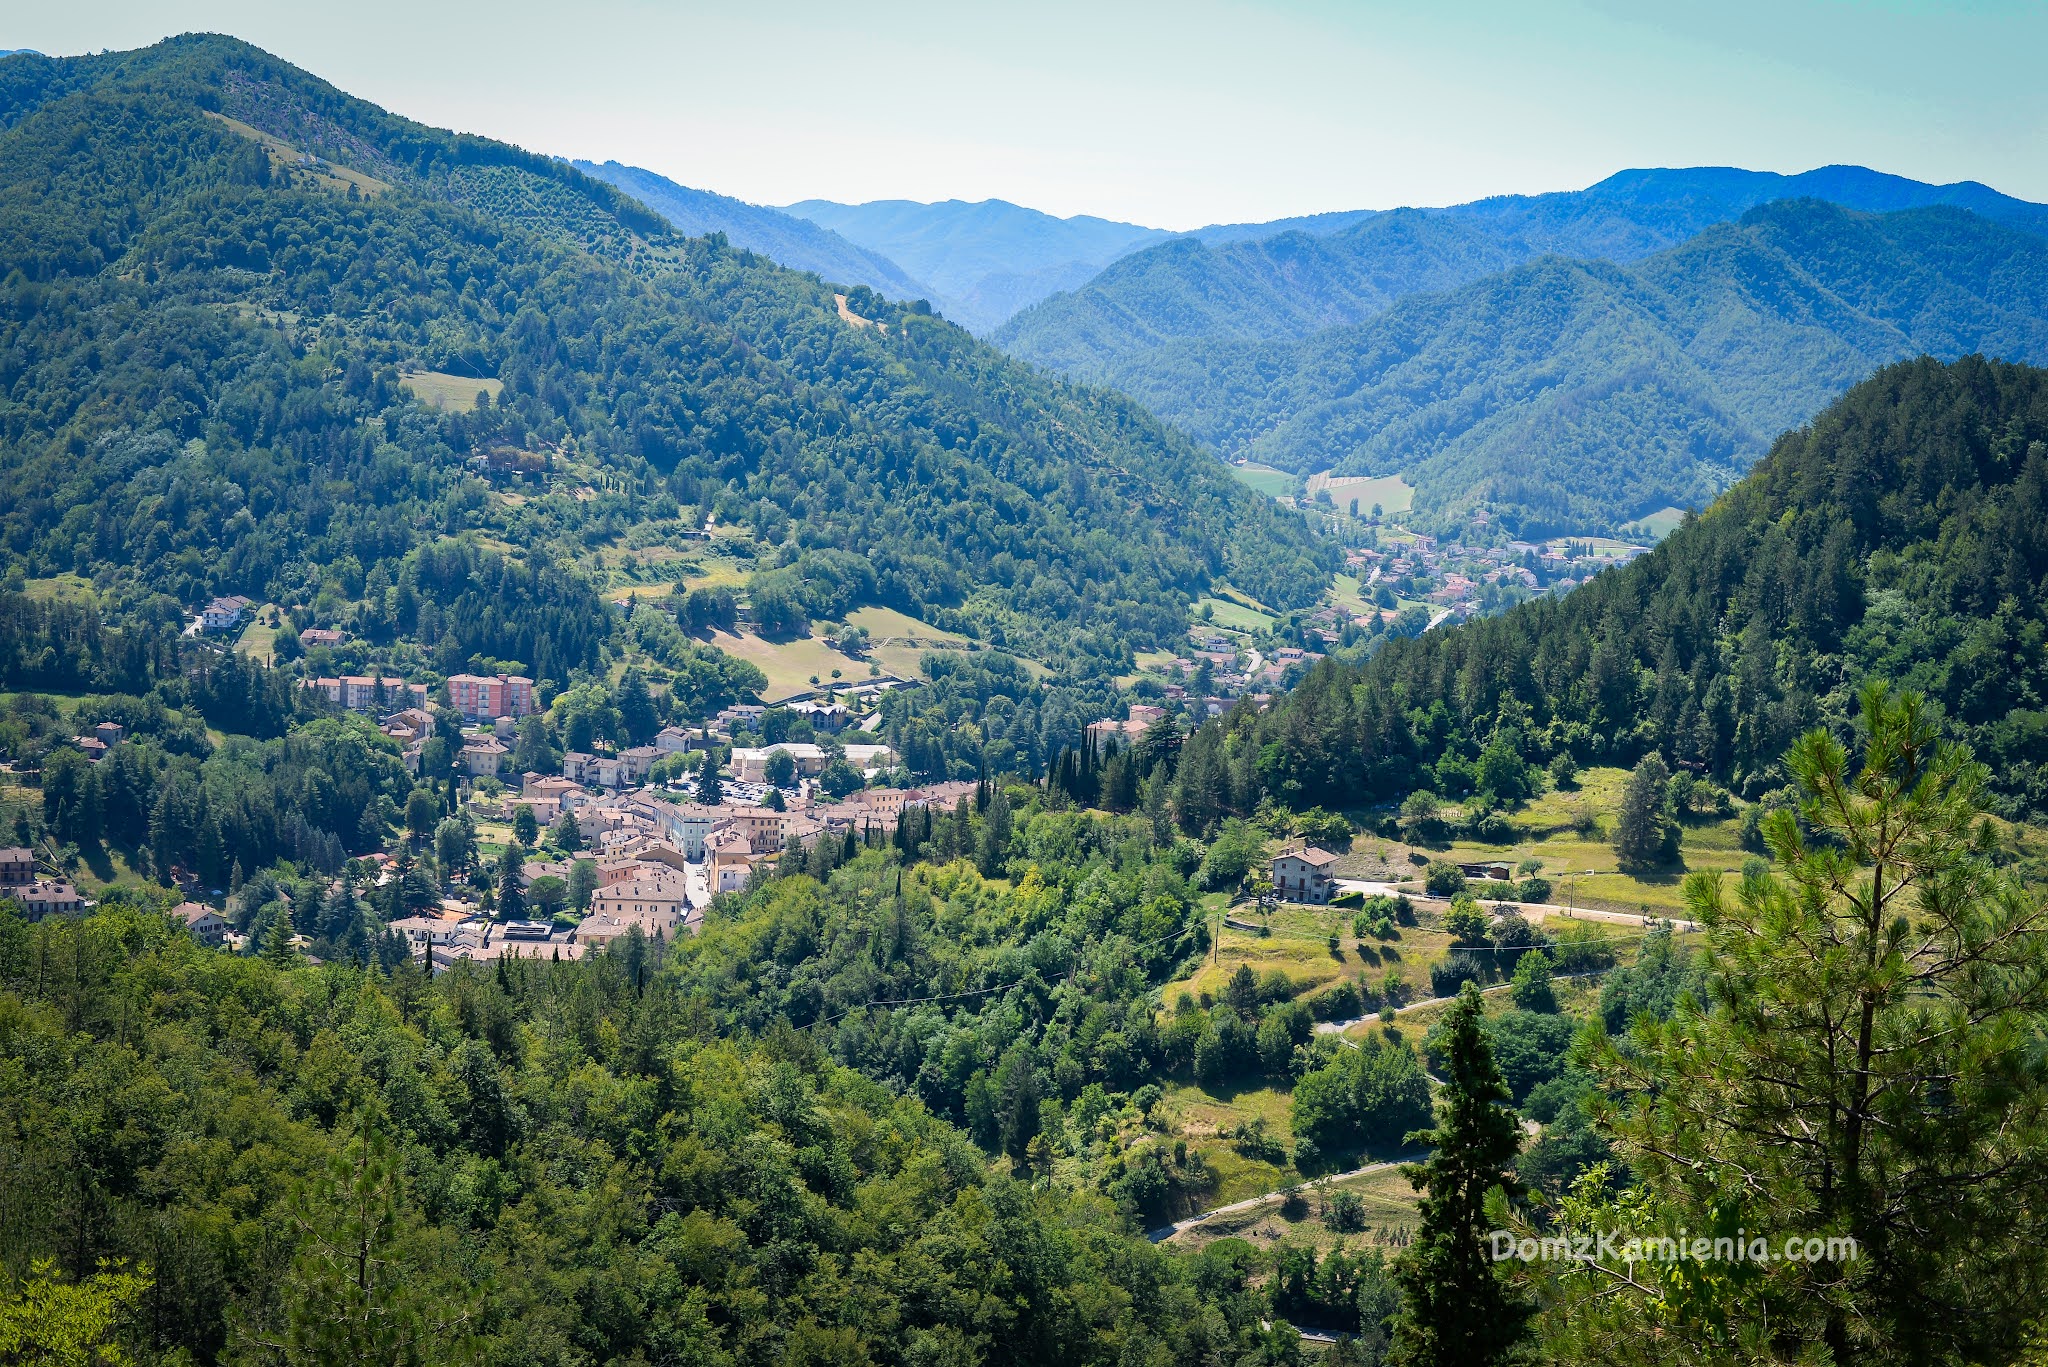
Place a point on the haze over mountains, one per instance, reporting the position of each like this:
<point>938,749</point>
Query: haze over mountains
<point>793,242</point>
<point>1337,269</point>
<point>986,260</point>
<point>1577,395</point>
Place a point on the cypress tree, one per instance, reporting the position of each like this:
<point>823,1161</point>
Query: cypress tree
<point>1456,1311</point>
<point>511,895</point>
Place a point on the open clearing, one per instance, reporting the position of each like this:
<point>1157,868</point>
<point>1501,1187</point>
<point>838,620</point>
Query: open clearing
<point>60,588</point>
<point>1569,833</point>
<point>285,157</point>
<point>1393,493</point>
<point>1267,480</point>
<point>789,665</point>
<point>258,642</point>
<point>1390,1211</point>
<point>1661,523</point>
<point>1232,615</point>
<point>887,626</point>
<point>449,393</point>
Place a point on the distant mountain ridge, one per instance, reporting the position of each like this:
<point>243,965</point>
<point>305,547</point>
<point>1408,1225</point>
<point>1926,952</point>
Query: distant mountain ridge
<point>794,242</point>
<point>224,275</point>
<point>1572,395</point>
<point>1333,270</point>
<point>985,260</point>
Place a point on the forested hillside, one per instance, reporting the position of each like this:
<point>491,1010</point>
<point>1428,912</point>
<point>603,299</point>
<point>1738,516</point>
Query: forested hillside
<point>794,242</point>
<point>553,1163</point>
<point>222,271</point>
<point>1293,277</point>
<point>1574,396</point>
<point>1902,535</point>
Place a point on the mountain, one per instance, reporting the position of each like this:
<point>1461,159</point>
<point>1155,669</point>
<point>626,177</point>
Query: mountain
<point>986,260</point>
<point>224,274</point>
<point>793,242</point>
<point>1292,277</point>
<point>1578,395</point>
<point>1901,535</point>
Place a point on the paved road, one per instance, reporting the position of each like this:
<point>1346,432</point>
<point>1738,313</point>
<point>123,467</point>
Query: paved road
<point>1168,1231</point>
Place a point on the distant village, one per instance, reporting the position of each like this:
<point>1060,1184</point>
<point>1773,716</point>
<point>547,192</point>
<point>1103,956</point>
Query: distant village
<point>654,852</point>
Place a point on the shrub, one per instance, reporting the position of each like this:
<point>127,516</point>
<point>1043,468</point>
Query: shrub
<point>1252,1140</point>
<point>1466,923</point>
<point>1347,1212</point>
<point>1491,828</point>
<point>1319,827</point>
<point>1338,1003</point>
<point>1532,990</point>
<point>1454,970</point>
<point>1576,947</point>
<point>1533,890</point>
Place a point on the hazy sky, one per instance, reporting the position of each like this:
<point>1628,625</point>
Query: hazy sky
<point>1176,114</point>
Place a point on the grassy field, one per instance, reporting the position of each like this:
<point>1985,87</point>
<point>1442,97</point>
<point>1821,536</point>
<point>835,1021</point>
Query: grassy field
<point>60,588</point>
<point>285,157</point>
<point>888,626</point>
<point>1299,946</point>
<point>1267,480</point>
<point>1569,833</point>
<point>1347,591</point>
<point>258,642</point>
<point>449,393</point>
<point>1233,615</point>
<point>897,642</point>
<point>1603,547</point>
<point>1661,523</point>
<point>1393,493</point>
<point>790,664</point>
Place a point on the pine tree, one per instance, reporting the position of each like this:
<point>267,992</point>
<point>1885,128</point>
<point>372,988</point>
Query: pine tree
<point>1456,1311</point>
<point>995,836</point>
<point>511,893</point>
<point>709,791</point>
<point>277,943</point>
<point>1867,1063</point>
<point>565,834</point>
<point>352,1296</point>
<point>1639,827</point>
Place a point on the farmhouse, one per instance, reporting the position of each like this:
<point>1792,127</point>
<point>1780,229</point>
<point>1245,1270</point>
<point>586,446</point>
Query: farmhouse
<point>1304,875</point>
<point>202,922</point>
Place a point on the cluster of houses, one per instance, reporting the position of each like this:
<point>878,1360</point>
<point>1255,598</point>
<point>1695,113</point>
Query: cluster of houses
<point>726,838</point>
<point>477,698</point>
<point>35,895</point>
<point>658,863</point>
